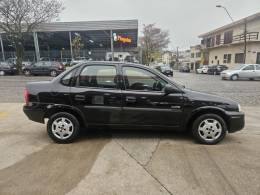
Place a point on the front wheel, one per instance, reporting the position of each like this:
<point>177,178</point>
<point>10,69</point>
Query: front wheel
<point>2,73</point>
<point>234,77</point>
<point>209,129</point>
<point>63,127</point>
<point>53,73</point>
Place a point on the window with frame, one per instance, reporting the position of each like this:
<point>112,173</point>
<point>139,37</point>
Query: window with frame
<point>192,55</point>
<point>239,58</point>
<point>99,76</point>
<point>257,67</point>
<point>198,54</point>
<point>142,80</point>
<point>227,58</point>
<point>218,38</point>
<point>228,37</point>
<point>249,67</point>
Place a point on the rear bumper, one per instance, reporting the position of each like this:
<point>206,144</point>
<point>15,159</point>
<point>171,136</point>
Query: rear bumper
<point>34,113</point>
<point>236,121</point>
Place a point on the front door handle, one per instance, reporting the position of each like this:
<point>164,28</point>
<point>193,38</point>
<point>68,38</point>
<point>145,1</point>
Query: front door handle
<point>79,97</point>
<point>130,99</point>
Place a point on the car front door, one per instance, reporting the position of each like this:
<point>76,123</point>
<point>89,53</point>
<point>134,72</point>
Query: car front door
<point>97,94</point>
<point>257,70</point>
<point>248,72</point>
<point>37,68</point>
<point>144,100</point>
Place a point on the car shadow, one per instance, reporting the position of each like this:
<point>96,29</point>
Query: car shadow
<point>95,133</point>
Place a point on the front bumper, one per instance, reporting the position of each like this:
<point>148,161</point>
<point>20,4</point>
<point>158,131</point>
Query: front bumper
<point>34,113</point>
<point>236,121</point>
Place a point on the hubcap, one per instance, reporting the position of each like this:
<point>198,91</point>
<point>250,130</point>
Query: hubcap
<point>27,72</point>
<point>210,129</point>
<point>53,73</point>
<point>2,73</point>
<point>62,128</point>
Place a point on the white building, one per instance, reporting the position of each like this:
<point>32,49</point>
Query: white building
<point>196,57</point>
<point>227,44</point>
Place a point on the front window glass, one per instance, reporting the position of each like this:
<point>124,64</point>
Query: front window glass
<point>98,76</point>
<point>143,80</point>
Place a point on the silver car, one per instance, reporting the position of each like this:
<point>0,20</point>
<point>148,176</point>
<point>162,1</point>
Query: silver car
<point>243,71</point>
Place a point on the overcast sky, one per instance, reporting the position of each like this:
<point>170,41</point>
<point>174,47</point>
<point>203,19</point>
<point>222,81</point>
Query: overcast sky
<point>185,19</point>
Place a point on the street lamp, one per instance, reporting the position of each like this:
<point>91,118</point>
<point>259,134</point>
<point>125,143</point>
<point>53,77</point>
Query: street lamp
<point>220,6</point>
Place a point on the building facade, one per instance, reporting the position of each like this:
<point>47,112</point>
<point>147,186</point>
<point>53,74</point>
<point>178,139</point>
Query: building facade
<point>59,40</point>
<point>235,43</point>
<point>196,57</point>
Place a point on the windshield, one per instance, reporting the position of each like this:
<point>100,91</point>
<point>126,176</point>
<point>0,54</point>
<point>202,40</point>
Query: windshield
<point>238,67</point>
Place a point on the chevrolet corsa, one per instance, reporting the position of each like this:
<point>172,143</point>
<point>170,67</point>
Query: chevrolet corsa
<point>121,95</point>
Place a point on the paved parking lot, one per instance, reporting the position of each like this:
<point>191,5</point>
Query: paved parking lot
<point>247,93</point>
<point>129,162</point>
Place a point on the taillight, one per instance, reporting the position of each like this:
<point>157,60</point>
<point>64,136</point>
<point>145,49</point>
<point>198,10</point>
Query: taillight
<point>61,66</point>
<point>26,95</point>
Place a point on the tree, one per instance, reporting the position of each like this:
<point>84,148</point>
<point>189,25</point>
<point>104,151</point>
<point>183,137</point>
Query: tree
<point>77,45</point>
<point>20,17</point>
<point>154,40</point>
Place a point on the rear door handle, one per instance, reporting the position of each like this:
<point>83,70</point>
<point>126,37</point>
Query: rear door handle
<point>79,97</point>
<point>130,99</point>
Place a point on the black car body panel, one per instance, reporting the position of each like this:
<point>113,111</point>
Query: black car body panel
<point>216,69</point>
<point>123,107</point>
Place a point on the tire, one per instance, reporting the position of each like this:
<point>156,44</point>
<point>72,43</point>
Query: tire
<point>234,77</point>
<point>58,131</point>
<point>53,73</point>
<point>2,73</point>
<point>27,73</point>
<point>206,133</point>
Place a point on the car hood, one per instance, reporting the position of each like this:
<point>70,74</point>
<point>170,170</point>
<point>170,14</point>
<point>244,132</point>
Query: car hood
<point>230,71</point>
<point>199,99</point>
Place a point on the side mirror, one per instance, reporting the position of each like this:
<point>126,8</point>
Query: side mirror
<point>168,89</point>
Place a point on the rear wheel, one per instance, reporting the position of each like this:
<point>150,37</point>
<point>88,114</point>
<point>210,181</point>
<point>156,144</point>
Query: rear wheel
<point>63,127</point>
<point>209,129</point>
<point>27,72</point>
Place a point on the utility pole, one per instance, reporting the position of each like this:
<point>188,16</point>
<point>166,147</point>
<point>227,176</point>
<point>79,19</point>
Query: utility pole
<point>245,41</point>
<point>112,44</point>
<point>177,57</point>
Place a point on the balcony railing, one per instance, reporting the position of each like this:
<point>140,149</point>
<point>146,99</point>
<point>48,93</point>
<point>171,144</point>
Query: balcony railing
<point>250,36</point>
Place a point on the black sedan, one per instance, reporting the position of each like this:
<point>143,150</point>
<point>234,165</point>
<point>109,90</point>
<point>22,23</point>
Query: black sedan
<point>124,95</point>
<point>216,69</point>
<point>166,70</point>
<point>7,68</point>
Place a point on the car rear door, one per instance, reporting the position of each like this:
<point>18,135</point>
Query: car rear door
<point>144,102</point>
<point>97,94</point>
<point>248,72</point>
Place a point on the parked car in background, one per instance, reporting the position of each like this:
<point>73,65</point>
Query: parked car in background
<point>184,68</point>
<point>44,68</point>
<point>124,95</point>
<point>164,69</point>
<point>7,68</point>
<point>24,62</point>
<point>79,60</point>
<point>216,69</point>
<point>202,69</point>
<point>243,71</point>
